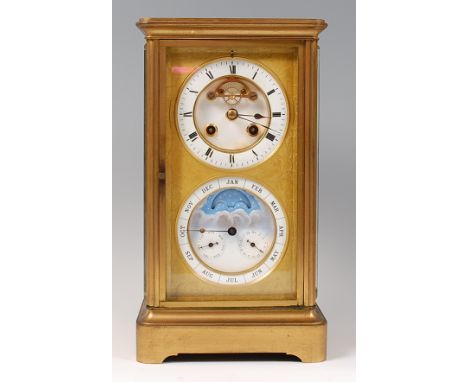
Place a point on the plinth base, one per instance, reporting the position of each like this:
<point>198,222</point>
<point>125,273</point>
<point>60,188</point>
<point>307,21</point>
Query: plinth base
<point>163,332</point>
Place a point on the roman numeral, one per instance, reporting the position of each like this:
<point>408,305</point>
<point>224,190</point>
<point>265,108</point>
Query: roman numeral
<point>192,91</point>
<point>271,91</point>
<point>276,114</point>
<point>255,74</point>
<point>232,69</point>
<point>231,159</point>
<point>209,74</point>
<point>209,152</point>
<point>187,114</point>
<point>270,136</point>
<point>193,136</point>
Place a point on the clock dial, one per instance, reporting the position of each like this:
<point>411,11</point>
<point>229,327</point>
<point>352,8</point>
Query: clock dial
<point>232,113</point>
<point>232,231</point>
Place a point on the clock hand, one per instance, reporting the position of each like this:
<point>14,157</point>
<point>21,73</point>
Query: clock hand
<point>203,230</point>
<point>256,116</point>
<point>252,244</point>
<point>208,245</point>
<point>231,230</point>
<point>248,120</point>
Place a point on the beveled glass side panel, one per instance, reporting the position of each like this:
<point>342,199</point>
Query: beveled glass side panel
<point>184,173</point>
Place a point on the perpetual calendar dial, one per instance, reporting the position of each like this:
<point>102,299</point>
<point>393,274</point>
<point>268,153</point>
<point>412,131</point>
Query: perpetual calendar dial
<point>232,231</point>
<point>232,113</point>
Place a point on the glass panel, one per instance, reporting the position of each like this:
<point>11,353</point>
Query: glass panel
<point>231,119</point>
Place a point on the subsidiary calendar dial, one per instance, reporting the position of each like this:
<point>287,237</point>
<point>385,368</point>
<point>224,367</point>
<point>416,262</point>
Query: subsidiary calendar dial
<point>210,245</point>
<point>254,245</point>
<point>232,113</point>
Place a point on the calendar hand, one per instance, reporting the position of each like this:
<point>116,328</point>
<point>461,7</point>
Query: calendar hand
<point>231,230</point>
<point>209,245</point>
<point>252,244</point>
<point>203,230</point>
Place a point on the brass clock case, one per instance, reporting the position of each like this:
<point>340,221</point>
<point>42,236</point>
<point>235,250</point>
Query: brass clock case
<point>181,313</point>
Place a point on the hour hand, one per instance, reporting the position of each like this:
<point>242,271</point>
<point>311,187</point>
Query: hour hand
<point>256,116</point>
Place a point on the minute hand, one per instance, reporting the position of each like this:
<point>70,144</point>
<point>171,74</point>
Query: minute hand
<point>257,123</point>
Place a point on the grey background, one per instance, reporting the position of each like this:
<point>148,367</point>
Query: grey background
<point>337,155</point>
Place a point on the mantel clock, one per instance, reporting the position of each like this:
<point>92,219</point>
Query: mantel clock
<point>230,188</point>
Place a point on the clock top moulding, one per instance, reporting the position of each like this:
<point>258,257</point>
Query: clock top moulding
<point>303,29</point>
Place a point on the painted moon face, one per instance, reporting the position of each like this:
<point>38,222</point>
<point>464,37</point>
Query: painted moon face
<point>232,231</point>
<point>232,113</point>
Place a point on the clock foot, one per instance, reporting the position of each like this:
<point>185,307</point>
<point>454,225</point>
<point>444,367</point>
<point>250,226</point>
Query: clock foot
<point>163,332</point>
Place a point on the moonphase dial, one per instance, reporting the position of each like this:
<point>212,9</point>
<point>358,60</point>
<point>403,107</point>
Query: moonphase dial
<point>232,113</point>
<point>232,231</point>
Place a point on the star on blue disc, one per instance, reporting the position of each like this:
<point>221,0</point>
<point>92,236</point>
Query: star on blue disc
<point>230,199</point>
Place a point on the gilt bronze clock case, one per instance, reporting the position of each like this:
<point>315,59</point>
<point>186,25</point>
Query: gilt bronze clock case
<point>230,188</point>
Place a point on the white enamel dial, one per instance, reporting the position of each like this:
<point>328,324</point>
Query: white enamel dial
<point>232,231</point>
<point>232,113</point>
